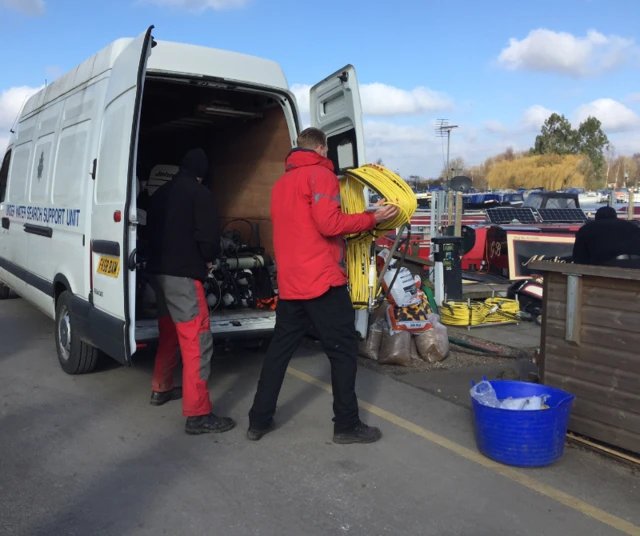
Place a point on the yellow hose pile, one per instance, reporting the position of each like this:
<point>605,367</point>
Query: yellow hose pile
<point>396,192</point>
<point>501,310</point>
<point>491,311</point>
<point>459,313</point>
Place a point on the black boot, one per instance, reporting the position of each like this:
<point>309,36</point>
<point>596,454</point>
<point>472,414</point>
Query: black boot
<point>208,424</point>
<point>360,433</point>
<point>158,399</point>
<point>256,434</point>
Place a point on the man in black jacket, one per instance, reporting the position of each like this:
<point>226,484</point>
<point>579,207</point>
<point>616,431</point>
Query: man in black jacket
<point>608,241</point>
<point>184,240</point>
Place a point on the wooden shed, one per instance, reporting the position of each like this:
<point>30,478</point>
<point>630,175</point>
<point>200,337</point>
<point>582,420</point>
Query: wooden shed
<point>591,347</point>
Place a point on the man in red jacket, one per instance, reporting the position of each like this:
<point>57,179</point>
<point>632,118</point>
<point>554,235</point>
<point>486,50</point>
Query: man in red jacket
<point>308,230</point>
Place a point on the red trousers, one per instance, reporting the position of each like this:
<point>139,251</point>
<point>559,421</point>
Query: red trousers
<point>184,323</point>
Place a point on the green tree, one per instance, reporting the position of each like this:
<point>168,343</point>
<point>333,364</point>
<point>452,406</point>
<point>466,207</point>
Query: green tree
<point>592,142</point>
<point>556,137</point>
<point>456,167</point>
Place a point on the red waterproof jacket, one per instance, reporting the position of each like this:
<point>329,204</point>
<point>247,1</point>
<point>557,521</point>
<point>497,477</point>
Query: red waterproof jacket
<point>308,227</point>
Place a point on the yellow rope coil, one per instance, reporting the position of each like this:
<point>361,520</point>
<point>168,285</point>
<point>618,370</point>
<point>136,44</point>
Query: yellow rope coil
<point>501,310</point>
<point>461,314</point>
<point>396,192</point>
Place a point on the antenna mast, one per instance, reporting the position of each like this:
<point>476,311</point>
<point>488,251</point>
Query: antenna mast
<point>443,128</point>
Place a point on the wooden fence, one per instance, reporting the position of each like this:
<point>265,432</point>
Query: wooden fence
<point>591,347</point>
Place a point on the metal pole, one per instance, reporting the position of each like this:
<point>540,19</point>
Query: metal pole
<point>448,145</point>
<point>435,201</point>
<point>442,203</point>
<point>450,208</point>
<point>459,210</point>
<point>612,199</point>
<point>432,218</point>
<point>630,211</point>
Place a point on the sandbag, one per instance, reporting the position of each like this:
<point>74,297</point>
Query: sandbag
<point>395,349</point>
<point>370,347</point>
<point>433,344</point>
<point>415,356</point>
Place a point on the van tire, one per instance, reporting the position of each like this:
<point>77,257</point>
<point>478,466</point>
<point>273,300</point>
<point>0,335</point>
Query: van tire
<point>5,292</point>
<point>75,356</point>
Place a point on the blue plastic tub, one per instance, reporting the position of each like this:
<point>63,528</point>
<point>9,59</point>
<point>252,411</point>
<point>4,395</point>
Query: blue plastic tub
<point>523,438</point>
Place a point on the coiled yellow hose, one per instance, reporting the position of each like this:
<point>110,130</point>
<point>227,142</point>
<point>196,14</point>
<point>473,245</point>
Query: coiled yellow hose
<point>395,191</point>
<point>491,311</point>
<point>461,314</point>
<point>501,310</point>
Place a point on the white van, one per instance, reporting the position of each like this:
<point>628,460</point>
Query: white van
<point>68,185</point>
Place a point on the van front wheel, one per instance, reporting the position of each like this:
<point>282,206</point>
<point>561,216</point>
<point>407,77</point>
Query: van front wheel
<point>75,355</point>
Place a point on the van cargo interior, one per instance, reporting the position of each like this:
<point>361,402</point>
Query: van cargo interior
<point>246,137</point>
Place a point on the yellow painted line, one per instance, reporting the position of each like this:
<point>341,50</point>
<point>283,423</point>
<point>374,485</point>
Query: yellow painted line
<point>560,496</point>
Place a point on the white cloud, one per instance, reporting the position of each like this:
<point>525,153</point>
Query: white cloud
<point>563,53</point>
<point>416,150</point>
<point>31,8</point>
<point>198,6</point>
<point>533,118</point>
<point>11,102</point>
<point>301,92</point>
<point>632,98</point>
<point>53,72</point>
<point>495,127</point>
<point>384,100</point>
<point>614,116</point>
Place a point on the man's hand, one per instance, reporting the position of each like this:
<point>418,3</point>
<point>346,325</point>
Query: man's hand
<point>385,212</point>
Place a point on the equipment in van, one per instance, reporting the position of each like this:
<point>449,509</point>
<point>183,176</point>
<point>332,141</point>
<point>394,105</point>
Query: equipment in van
<point>160,175</point>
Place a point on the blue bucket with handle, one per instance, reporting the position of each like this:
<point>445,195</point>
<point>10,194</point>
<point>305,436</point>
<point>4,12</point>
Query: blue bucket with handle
<point>523,438</point>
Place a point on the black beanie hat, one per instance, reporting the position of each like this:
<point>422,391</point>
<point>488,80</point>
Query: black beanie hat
<point>606,213</point>
<point>197,162</point>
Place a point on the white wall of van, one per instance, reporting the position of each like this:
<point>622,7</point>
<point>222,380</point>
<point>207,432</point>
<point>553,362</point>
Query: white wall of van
<point>68,180</point>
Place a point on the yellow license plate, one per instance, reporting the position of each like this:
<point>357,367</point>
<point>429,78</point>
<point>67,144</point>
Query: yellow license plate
<point>109,266</point>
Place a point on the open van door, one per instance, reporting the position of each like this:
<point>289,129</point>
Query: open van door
<point>113,226</point>
<point>337,111</point>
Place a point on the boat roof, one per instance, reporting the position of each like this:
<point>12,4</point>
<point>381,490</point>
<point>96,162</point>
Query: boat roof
<point>167,57</point>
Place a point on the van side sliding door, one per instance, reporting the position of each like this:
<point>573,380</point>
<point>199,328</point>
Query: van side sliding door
<point>113,225</point>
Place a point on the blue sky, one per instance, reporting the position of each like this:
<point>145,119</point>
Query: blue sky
<point>496,68</point>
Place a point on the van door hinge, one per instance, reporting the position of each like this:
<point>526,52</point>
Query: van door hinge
<point>95,167</point>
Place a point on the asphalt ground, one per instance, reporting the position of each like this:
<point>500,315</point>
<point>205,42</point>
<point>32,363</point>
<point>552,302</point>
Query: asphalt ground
<point>88,455</point>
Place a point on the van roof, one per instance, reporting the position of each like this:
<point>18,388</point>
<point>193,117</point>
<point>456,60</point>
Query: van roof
<point>169,57</point>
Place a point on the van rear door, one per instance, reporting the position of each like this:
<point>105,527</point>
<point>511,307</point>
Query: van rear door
<point>113,225</point>
<point>337,111</point>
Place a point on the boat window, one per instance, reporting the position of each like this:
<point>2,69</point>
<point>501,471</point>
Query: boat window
<point>533,201</point>
<point>561,202</point>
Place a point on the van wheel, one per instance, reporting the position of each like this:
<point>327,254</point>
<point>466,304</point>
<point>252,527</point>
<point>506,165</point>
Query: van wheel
<point>5,291</point>
<point>75,356</point>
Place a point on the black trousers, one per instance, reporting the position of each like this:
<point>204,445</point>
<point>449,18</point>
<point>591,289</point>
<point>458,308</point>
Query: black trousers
<point>333,317</point>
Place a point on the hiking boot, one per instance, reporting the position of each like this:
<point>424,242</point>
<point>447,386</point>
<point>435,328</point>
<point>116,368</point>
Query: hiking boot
<point>208,424</point>
<point>158,398</point>
<point>360,433</point>
<point>256,434</point>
